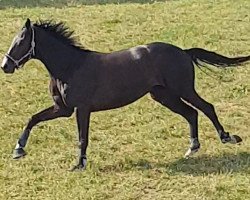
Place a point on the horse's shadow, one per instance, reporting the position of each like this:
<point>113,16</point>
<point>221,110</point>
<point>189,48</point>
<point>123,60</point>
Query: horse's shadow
<point>223,164</point>
<point>226,163</point>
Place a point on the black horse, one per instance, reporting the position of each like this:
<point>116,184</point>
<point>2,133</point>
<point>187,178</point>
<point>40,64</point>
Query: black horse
<point>89,81</point>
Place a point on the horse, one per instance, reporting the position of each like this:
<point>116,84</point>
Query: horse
<point>85,81</point>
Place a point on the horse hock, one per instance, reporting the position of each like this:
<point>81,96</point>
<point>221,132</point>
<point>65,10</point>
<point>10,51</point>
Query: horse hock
<point>81,165</point>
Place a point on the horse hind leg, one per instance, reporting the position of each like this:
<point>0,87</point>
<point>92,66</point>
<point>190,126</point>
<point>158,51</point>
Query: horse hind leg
<point>168,99</point>
<point>208,109</point>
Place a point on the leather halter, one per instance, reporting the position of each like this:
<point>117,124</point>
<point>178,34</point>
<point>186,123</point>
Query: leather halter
<point>29,54</point>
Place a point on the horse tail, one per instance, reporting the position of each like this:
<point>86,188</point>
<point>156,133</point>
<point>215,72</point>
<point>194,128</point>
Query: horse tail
<point>200,56</point>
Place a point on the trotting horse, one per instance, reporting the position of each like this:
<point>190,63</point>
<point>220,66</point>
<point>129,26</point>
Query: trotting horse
<point>88,81</point>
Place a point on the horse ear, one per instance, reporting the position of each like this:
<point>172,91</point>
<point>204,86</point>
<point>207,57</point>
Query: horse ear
<point>27,23</point>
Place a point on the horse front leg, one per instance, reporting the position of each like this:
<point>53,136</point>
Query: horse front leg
<point>50,113</point>
<point>82,118</point>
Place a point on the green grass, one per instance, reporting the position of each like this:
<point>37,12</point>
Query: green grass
<point>62,3</point>
<point>135,152</point>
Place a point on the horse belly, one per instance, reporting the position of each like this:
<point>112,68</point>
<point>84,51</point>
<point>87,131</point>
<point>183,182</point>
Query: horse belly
<point>116,97</point>
<point>121,87</point>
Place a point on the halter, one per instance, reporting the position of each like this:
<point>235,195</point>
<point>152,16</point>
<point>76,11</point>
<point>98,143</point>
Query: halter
<point>29,54</point>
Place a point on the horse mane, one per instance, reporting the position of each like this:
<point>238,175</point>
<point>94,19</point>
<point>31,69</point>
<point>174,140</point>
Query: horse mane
<point>61,32</point>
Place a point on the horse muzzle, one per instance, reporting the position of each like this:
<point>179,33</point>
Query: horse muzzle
<point>8,69</point>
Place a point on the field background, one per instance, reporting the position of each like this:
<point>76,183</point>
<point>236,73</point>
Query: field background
<point>135,152</point>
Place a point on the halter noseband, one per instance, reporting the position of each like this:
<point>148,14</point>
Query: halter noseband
<point>29,54</point>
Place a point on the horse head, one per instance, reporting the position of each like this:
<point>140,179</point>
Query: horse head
<point>21,50</point>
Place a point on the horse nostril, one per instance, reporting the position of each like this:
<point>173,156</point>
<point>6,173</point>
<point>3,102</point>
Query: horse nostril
<point>5,67</point>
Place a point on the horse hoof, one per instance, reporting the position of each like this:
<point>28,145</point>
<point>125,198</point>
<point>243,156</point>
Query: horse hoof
<point>18,153</point>
<point>190,152</point>
<point>235,139</point>
<point>78,167</point>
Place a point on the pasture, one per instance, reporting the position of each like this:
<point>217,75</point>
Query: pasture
<point>135,152</point>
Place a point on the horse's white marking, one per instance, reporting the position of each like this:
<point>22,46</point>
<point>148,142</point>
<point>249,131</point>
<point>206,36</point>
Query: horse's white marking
<point>18,146</point>
<point>12,44</point>
<point>136,53</point>
<point>190,152</point>
<point>5,59</point>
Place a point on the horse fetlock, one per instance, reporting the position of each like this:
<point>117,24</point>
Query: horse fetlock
<point>23,139</point>
<point>224,137</point>
<point>81,165</point>
<point>18,153</point>
<point>194,143</point>
<point>194,147</point>
<point>83,161</point>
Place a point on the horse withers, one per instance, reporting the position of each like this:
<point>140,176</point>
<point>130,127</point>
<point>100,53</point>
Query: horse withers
<point>86,81</point>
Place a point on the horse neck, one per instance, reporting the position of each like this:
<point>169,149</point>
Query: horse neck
<point>54,54</point>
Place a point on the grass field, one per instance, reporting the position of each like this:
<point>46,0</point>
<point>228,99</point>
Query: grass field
<point>135,152</point>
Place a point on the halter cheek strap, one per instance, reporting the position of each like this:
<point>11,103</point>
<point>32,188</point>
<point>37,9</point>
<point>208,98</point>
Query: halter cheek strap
<point>29,54</point>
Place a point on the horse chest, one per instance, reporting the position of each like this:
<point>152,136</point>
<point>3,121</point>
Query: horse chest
<point>72,93</point>
<point>62,90</point>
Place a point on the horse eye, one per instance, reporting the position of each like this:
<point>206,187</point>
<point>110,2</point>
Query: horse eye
<point>22,36</point>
